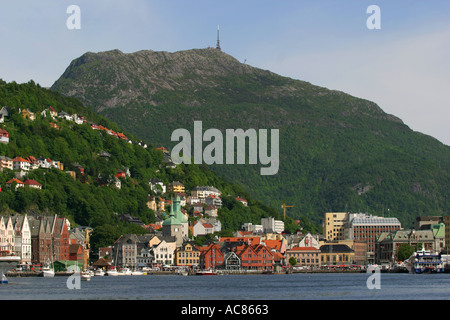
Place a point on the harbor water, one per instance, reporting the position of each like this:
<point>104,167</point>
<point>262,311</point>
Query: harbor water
<point>306,286</point>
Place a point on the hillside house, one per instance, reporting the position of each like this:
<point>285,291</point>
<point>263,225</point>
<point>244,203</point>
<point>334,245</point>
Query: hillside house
<point>211,211</point>
<point>213,200</point>
<point>32,184</point>
<point>20,163</point>
<point>28,114</point>
<point>6,163</point>
<point>4,136</point>
<point>17,182</point>
<point>157,186</point>
<point>65,116</point>
<point>4,113</point>
<point>202,228</point>
<point>242,200</point>
<point>175,187</point>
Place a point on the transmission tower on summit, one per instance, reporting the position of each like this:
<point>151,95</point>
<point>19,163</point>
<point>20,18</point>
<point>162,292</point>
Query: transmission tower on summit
<point>218,39</point>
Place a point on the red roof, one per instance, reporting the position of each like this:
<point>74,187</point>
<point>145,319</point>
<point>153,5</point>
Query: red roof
<point>14,180</point>
<point>31,182</point>
<point>20,159</point>
<point>304,249</point>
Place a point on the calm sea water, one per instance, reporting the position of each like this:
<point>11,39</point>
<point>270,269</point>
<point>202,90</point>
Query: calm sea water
<point>233,287</point>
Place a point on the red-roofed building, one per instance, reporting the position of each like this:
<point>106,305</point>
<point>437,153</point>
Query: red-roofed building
<point>202,228</point>
<point>21,164</point>
<point>242,200</point>
<point>4,136</point>
<point>19,184</point>
<point>32,184</point>
<point>305,256</point>
<point>247,240</point>
<point>211,257</point>
<point>253,257</point>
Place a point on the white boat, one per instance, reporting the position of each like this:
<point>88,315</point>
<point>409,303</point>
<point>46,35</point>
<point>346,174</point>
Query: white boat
<point>99,273</point>
<point>137,273</point>
<point>125,272</point>
<point>112,272</point>
<point>424,261</point>
<point>47,272</point>
<point>86,276</point>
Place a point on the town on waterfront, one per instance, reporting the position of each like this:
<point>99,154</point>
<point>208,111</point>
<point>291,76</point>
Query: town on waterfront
<point>186,236</point>
<point>351,242</point>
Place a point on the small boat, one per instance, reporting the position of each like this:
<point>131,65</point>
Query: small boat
<point>47,272</point>
<point>86,276</point>
<point>99,273</point>
<point>112,272</point>
<point>3,279</point>
<point>206,273</point>
<point>124,272</point>
<point>137,273</point>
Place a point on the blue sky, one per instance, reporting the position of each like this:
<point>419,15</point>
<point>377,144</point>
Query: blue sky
<point>403,67</point>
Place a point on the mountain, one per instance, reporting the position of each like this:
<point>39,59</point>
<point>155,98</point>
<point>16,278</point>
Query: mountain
<point>90,188</point>
<point>337,152</point>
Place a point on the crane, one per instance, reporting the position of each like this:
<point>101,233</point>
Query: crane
<point>284,206</point>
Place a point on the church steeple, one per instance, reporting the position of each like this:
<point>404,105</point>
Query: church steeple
<point>218,39</point>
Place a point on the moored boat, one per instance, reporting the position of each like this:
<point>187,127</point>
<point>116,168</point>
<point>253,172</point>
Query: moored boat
<point>424,261</point>
<point>99,273</point>
<point>206,273</point>
<point>112,272</point>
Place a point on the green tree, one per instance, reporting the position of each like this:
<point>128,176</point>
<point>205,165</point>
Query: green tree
<point>292,261</point>
<point>404,251</point>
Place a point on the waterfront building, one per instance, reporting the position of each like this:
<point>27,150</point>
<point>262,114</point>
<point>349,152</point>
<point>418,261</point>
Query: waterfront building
<point>125,251</point>
<point>49,239</point>
<point>176,225</point>
<point>22,238</point>
<point>187,255</point>
<point>211,256</point>
<point>163,254</point>
<point>387,243</point>
<point>364,227</point>
<point>336,254</point>
<point>305,256</point>
<point>447,233</point>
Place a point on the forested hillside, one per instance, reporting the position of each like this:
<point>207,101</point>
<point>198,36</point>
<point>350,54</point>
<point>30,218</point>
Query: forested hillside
<point>92,197</point>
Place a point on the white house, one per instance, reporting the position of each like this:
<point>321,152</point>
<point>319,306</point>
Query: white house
<point>163,253</point>
<point>213,200</point>
<point>157,186</point>
<point>4,136</point>
<point>21,164</point>
<point>204,191</point>
<point>6,163</point>
<point>7,235</point>
<point>22,238</point>
<point>202,228</point>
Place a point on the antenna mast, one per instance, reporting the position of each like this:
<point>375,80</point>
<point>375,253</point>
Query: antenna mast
<point>218,40</point>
